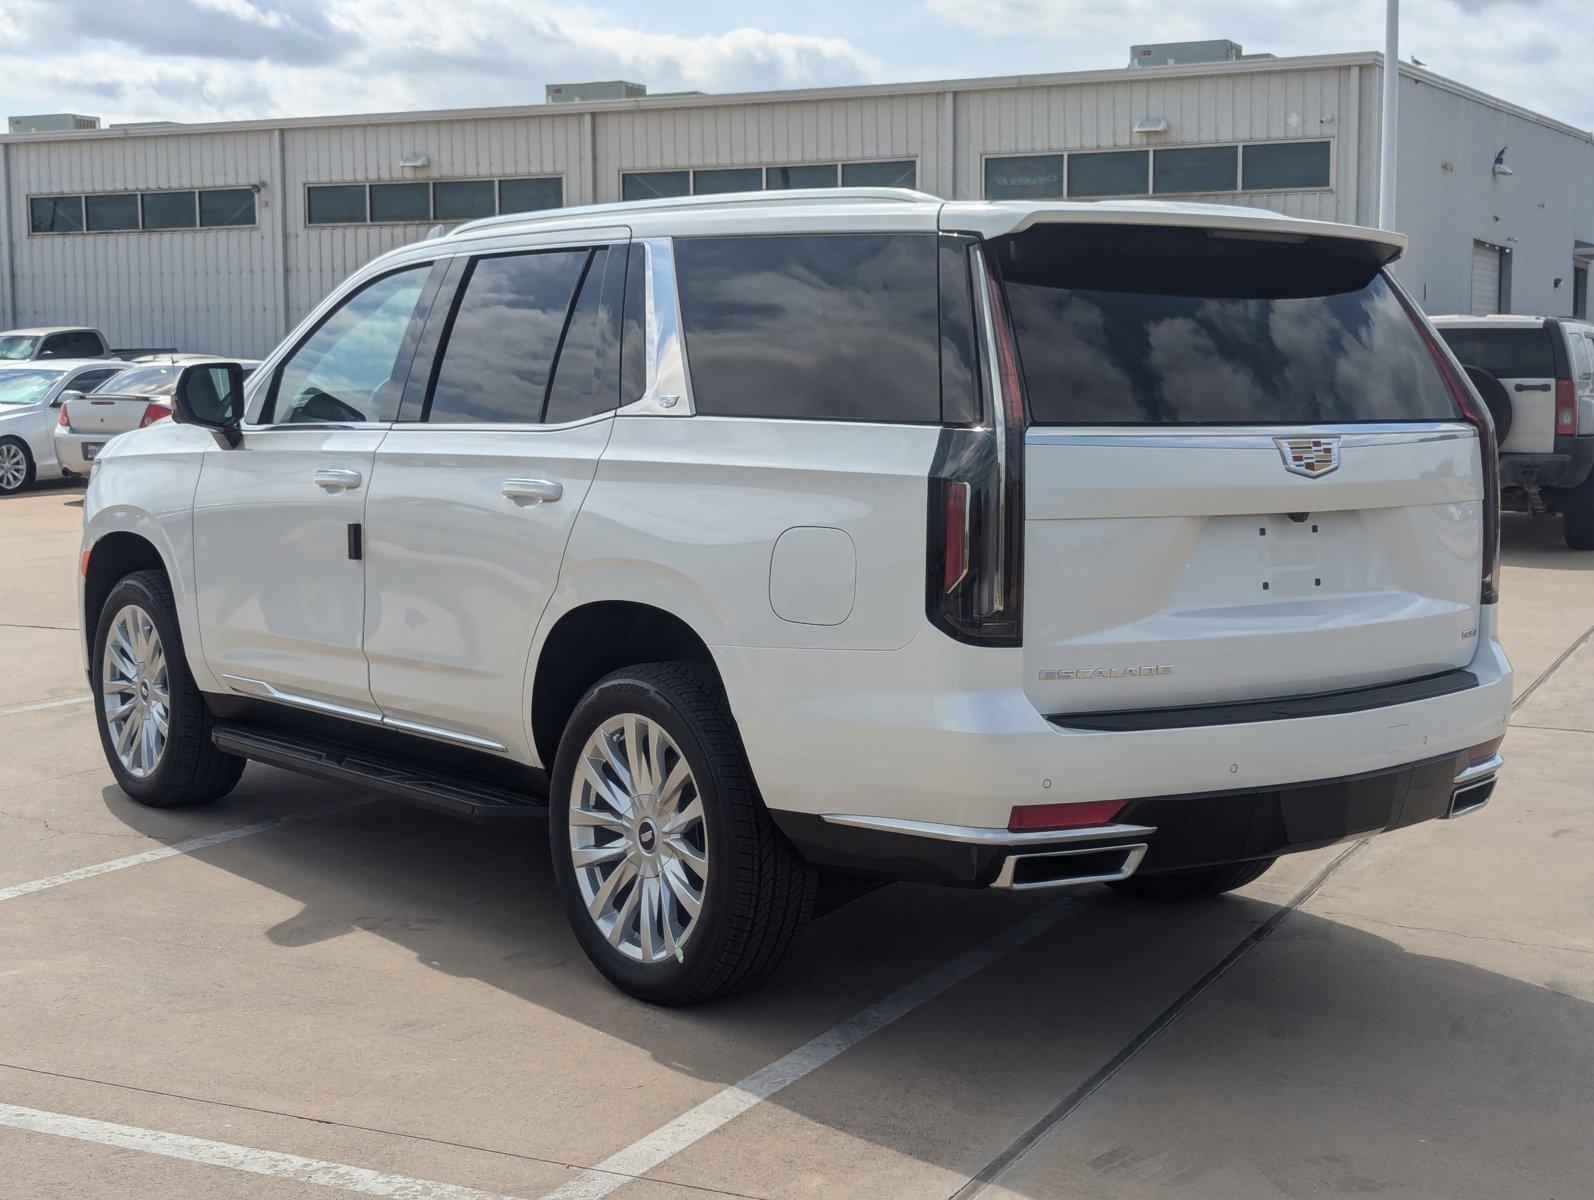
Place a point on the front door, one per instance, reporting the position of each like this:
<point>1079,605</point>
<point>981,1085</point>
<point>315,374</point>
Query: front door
<point>472,501</point>
<point>280,580</point>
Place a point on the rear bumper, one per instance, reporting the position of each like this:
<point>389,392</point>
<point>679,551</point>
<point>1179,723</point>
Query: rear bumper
<point>75,451</point>
<point>1569,466</point>
<point>1154,834</point>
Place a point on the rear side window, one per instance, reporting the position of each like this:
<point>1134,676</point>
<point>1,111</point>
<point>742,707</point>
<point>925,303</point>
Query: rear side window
<point>526,333</point>
<point>1505,353</point>
<point>834,327</point>
<point>1144,326</point>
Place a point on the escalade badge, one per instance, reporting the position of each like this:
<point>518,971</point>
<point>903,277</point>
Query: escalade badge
<point>1309,456</point>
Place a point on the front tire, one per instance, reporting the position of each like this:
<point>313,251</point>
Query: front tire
<point>16,466</point>
<point>154,724</point>
<point>675,880</point>
<point>1171,886</point>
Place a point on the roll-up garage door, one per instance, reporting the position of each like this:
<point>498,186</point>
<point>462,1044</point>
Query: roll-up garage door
<point>1486,272</point>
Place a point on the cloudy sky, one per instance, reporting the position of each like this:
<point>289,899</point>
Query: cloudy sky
<point>192,60</point>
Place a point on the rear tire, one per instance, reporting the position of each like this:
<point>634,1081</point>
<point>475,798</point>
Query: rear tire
<point>157,736</point>
<point>16,466</point>
<point>1193,885</point>
<point>1577,515</point>
<point>653,769</point>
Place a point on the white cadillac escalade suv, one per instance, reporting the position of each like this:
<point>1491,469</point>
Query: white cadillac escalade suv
<point>765,542</point>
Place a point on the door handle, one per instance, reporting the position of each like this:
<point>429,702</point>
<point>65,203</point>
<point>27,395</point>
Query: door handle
<point>1532,387</point>
<point>338,479</point>
<point>535,491</point>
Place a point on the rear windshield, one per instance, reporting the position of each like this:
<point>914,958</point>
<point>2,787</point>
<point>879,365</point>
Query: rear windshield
<point>140,381</point>
<point>1139,326</point>
<point>1505,353</point>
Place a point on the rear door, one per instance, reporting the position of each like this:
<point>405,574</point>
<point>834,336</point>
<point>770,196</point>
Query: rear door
<point>1244,476</point>
<point>1526,361</point>
<point>475,489</point>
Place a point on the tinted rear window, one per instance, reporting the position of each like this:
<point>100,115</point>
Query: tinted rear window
<point>1174,326</point>
<point>838,327</point>
<point>1505,353</point>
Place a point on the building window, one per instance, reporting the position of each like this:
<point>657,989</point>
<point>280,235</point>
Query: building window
<point>1109,173</point>
<point>900,173</point>
<point>401,202</point>
<point>1024,177</point>
<point>655,185</point>
<point>1277,166</point>
<point>530,195</point>
<point>1195,169</point>
<point>711,181</point>
<point>113,213</point>
<point>129,212</point>
<point>336,204</point>
<point>806,175</point>
<point>55,214</point>
<point>170,210</point>
<point>464,199</point>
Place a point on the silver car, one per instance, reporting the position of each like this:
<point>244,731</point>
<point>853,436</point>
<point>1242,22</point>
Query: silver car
<point>30,401</point>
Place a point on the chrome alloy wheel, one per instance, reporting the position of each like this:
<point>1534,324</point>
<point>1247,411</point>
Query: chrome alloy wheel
<point>13,466</point>
<point>638,840</point>
<point>136,690</point>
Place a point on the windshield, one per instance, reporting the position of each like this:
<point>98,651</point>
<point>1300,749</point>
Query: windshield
<point>139,381</point>
<point>14,348</point>
<point>1127,326</point>
<point>26,387</point>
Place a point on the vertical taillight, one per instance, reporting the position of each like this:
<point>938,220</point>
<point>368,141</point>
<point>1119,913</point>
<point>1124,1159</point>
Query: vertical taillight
<point>974,581</point>
<point>1565,408</point>
<point>1472,408</point>
<point>63,420</point>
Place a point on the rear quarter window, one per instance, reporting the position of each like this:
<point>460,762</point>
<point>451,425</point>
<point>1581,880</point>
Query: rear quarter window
<point>835,327</point>
<point>1148,326</point>
<point>1505,353</point>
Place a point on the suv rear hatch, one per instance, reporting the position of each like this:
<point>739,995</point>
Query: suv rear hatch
<point>1528,362</point>
<point>1245,476</point>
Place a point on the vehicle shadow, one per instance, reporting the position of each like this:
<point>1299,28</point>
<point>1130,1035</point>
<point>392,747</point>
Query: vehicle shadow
<point>1330,1047</point>
<point>1536,542</point>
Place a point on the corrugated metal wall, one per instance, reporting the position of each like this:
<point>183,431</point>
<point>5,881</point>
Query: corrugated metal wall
<point>238,290</point>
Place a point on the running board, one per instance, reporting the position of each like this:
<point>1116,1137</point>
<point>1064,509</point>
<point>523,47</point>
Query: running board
<point>457,795</point>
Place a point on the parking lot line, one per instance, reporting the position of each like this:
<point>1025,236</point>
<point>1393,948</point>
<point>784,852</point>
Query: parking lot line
<point>38,706</point>
<point>726,1105</point>
<point>236,1158</point>
<point>186,846</point>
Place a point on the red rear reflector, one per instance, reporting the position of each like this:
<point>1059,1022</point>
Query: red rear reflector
<point>1484,751</point>
<point>1565,408</point>
<point>83,565</point>
<point>1028,817</point>
<point>153,413</point>
<point>956,559</point>
<point>62,420</point>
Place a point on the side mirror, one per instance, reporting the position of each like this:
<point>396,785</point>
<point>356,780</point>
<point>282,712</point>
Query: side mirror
<point>69,394</point>
<point>211,395</point>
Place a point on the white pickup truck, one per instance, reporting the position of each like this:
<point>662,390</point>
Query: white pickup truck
<point>65,341</point>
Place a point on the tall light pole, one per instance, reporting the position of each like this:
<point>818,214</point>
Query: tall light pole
<point>1390,116</point>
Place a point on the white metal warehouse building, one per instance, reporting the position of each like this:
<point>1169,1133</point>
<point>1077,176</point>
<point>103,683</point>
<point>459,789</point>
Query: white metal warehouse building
<point>220,237</point>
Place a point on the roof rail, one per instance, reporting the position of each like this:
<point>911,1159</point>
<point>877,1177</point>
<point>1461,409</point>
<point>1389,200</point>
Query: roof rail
<point>719,200</point>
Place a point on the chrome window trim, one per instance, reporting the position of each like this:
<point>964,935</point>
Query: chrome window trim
<point>669,387</point>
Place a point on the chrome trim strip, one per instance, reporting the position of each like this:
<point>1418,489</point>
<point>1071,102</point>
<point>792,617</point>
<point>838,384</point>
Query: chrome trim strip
<point>1004,879</point>
<point>978,835</point>
<point>1479,771</point>
<point>264,690</point>
<point>986,315</point>
<point>1228,438</point>
<point>444,735</point>
<point>669,390</point>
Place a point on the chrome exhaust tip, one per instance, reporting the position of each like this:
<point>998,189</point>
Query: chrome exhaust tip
<point>1069,868</point>
<point>1473,788</point>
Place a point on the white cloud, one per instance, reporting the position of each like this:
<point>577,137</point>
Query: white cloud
<point>195,60</point>
<point>1532,52</point>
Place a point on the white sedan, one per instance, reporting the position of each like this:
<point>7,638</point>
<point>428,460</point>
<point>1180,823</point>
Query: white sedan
<point>30,399</point>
